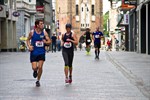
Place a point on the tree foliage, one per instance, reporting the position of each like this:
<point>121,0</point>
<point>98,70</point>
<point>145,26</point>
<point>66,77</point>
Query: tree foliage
<point>105,19</point>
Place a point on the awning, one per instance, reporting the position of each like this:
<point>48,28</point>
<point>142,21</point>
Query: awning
<point>126,7</point>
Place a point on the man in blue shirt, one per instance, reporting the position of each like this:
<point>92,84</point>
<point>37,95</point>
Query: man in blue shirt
<point>97,35</point>
<point>39,38</point>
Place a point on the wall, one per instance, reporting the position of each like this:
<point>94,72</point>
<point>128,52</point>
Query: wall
<point>8,32</point>
<point>67,8</point>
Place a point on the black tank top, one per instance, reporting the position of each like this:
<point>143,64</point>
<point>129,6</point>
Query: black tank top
<point>88,36</point>
<point>68,45</point>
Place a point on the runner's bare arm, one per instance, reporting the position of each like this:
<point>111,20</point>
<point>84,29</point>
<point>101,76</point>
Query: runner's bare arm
<point>75,41</point>
<point>93,38</point>
<point>28,41</point>
<point>83,34</point>
<point>48,40</point>
<point>62,42</point>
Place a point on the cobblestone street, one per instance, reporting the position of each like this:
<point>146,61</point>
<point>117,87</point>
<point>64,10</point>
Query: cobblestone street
<point>92,79</point>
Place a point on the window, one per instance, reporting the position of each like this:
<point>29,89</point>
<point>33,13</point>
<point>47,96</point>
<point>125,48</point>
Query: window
<point>87,9</point>
<point>92,9</point>
<point>82,9</point>
<point>77,10</point>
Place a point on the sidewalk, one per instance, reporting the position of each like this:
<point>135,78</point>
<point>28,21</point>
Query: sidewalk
<point>136,67</point>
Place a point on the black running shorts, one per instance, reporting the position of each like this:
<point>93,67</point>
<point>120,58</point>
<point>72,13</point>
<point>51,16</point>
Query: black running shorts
<point>36,58</point>
<point>97,45</point>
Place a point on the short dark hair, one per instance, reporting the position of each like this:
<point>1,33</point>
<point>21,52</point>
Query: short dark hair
<point>37,22</point>
<point>87,28</point>
<point>68,26</point>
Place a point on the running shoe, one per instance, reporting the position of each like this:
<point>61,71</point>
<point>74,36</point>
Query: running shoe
<point>70,79</point>
<point>86,53</point>
<point>97,57</point>
<point>35,74</point>
<point>37,83</point>
<point>67,80</point>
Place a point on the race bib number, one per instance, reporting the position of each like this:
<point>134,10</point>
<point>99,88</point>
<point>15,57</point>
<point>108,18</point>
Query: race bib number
<point>88,40</point>
<point>67,44</point>
<point>39,44</point>
<point>96,36</point>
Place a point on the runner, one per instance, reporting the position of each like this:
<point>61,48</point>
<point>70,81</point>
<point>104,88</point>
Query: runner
<point>54,39</point>
<point>68,40</point>
<point>39,39</point>
<point>97,35</point>
<point>88,40</point>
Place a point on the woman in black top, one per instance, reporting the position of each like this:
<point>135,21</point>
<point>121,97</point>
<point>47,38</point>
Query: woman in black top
<point>69,39</point>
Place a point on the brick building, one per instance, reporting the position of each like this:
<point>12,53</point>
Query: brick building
<point>81,14</point>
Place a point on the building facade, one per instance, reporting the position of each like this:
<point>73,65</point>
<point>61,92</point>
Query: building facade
<point>81,14</point>
<point>137,29</point>
<point>25,23</point>
<point>44,12</point>
<point>143,26</point>
<point>114,30</point>
<point>8,18</point>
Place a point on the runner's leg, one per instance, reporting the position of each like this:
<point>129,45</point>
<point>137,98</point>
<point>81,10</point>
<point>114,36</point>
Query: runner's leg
<point>71,56</point>
<point>40,69</point>
<point>66,60</point>
<point>34,66</point>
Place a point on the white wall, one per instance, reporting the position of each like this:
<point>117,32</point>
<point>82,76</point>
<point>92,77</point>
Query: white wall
<point>82,15</point>
<point>85,14</point>
<point>87,20</point>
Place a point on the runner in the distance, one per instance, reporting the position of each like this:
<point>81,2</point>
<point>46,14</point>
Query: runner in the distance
<point>39,38</point>
<point>97,35</point>
<point>88,40</point>
<point>69,39</point>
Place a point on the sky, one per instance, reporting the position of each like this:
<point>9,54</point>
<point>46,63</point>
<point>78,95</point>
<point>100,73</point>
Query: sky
<point>106,6</point>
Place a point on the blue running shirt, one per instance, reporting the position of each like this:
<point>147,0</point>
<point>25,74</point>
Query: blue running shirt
<point>97,35</point>
<point>37,43</point>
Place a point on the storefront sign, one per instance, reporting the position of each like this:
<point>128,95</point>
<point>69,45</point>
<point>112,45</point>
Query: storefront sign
<point>16,14</point>
<point>130,2</point>
<point>40,8</point>
<point>1,8</point>
<point>126,19</point>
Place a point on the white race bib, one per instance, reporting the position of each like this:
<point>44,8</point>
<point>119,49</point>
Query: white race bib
<point>88,40</point>
<point>96,36</point>
<point>67,44</point>
<point>39,44</point>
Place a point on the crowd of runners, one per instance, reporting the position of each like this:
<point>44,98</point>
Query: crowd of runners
<point>38,39</point>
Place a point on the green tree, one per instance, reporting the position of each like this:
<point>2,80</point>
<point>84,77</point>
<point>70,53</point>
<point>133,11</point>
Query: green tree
<point>105,19</point>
